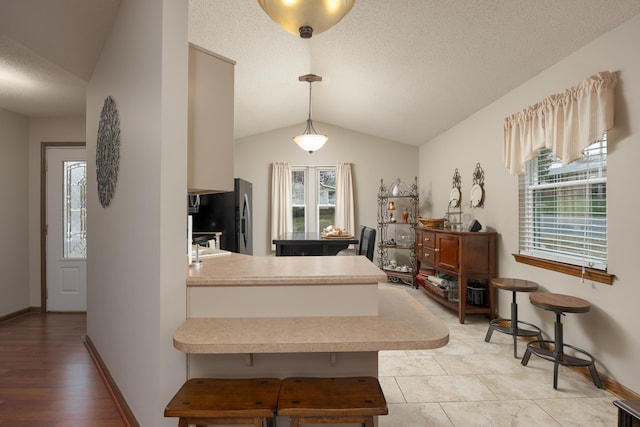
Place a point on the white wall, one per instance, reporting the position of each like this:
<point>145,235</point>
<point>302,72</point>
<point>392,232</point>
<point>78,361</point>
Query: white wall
<point>59,129</point>
<point>372,158</point>
<point>14,227</point>
<point>137,263</point>
<point>610,330</point>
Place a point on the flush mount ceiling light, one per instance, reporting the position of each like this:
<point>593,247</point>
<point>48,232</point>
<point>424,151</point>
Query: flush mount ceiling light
<point>306,17</point>
<point>309,140</point>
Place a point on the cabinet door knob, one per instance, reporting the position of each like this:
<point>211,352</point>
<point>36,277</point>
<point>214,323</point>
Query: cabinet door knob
<point>436,250</point>
<point>426,239</point>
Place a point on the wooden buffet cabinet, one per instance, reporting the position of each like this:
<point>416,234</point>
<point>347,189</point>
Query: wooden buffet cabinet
<point>465,255</point>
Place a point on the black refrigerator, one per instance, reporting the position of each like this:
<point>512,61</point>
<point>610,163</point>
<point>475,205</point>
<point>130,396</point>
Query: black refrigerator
<point>230,213</point>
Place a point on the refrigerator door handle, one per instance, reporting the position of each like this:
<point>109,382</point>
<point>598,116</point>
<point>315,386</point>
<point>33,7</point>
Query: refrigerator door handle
<point>246,217</point>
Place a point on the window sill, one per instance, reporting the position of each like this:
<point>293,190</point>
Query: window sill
<point>573,270</point>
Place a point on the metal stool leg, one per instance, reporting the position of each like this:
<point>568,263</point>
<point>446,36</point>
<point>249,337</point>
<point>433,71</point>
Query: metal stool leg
<point>594,375</point>
<point>558,350</point>
<point>526,357</point>
<point>487,337</point>
<point>514,323</point>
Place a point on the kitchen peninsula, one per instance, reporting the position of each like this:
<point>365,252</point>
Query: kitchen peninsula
<point>281,316</point>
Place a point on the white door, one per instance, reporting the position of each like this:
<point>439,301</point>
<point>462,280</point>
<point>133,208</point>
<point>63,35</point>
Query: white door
<point>66,229</point>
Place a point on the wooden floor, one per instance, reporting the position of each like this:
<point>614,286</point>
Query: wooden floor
<point>47,377</point>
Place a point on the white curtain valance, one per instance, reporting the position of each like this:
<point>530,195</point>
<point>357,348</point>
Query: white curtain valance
<point>566,123</point>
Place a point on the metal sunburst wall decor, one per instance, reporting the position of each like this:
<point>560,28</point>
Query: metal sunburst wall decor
<point>108,151</point>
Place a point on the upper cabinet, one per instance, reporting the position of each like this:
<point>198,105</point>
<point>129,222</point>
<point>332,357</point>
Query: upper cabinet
<point>210,122</point>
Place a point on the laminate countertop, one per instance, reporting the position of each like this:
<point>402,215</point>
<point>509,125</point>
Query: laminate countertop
<point>402,323</point>
<point>238,269</point>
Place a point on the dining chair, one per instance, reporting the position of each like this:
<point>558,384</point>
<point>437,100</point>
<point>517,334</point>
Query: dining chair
<point>350,252</point>
<point>367,242</point>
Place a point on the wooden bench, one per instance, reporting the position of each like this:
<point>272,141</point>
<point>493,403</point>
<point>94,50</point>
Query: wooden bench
<point>211,401</point>
<point>331,400</point>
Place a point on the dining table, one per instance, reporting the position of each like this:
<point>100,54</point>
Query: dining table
<point>311,244</point>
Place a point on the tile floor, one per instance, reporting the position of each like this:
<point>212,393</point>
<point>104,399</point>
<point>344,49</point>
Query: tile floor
<point>472,383</point>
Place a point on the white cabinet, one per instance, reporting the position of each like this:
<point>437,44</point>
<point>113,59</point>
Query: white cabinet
<point>210,122</point>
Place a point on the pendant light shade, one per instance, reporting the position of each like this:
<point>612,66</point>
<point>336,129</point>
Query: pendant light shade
<point>309,140</point>
<point>306,17</point>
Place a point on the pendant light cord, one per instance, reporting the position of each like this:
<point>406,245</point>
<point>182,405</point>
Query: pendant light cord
<point>309,100</point>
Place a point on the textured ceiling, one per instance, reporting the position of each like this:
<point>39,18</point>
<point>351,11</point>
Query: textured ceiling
<point>48,50</point>
<point>405,70</point>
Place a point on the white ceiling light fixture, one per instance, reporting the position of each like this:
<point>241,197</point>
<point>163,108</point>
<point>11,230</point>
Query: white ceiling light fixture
<point>306,17</point>
<point>309,140</point>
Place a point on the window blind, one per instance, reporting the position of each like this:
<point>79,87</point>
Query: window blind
<point>563,209</point>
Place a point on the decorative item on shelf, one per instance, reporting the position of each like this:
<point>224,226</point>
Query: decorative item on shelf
<point>405,216</point>
<point>405,240</point>
<point>476,197</point>
<point>454,217</point>
<point>431,222</point>
<point>395,187</point>
<point>391,207</point>
<point>306,17</point>
<point>310,140</point>
<point>455,194</point>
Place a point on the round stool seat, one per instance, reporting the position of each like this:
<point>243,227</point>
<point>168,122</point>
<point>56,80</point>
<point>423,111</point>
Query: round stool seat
<point>512,326</point>
<point>559,302</point>
<point>517,285</point>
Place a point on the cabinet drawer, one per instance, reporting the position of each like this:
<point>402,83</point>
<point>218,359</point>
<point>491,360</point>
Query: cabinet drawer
<point>428,239</point>
<point>428,256</point>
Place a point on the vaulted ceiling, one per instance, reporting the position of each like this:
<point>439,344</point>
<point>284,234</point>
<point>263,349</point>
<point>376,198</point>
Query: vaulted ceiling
<point>403,70</point>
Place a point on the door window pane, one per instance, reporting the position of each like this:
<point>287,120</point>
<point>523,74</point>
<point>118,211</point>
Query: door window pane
<point>75,211</point>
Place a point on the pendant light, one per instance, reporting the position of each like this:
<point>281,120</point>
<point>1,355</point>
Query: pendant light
<point>309,140</point>
<point>306,17</point>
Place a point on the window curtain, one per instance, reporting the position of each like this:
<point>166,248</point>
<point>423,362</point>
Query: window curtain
<point>566,123</point>
<point>281,212</point>
<point>345,216</point>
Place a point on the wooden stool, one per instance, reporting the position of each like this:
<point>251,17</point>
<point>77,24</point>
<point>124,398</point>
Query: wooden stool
<point>331,400</point>
<point>560,304</point>
<point>510,326</point>
<point>203,401</point>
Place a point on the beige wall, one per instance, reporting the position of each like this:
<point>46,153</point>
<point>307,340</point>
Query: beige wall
<point>14,226</point>
<point>137,261</point>
<point>609,331</point>
<point>60,129</point>
<point>372,158</point>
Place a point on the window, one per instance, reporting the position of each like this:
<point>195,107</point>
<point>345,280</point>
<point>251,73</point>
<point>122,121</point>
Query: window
<point>299,199</point>
<point>75,211</point>
<point>563,209</point>
<point>313,197</point>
